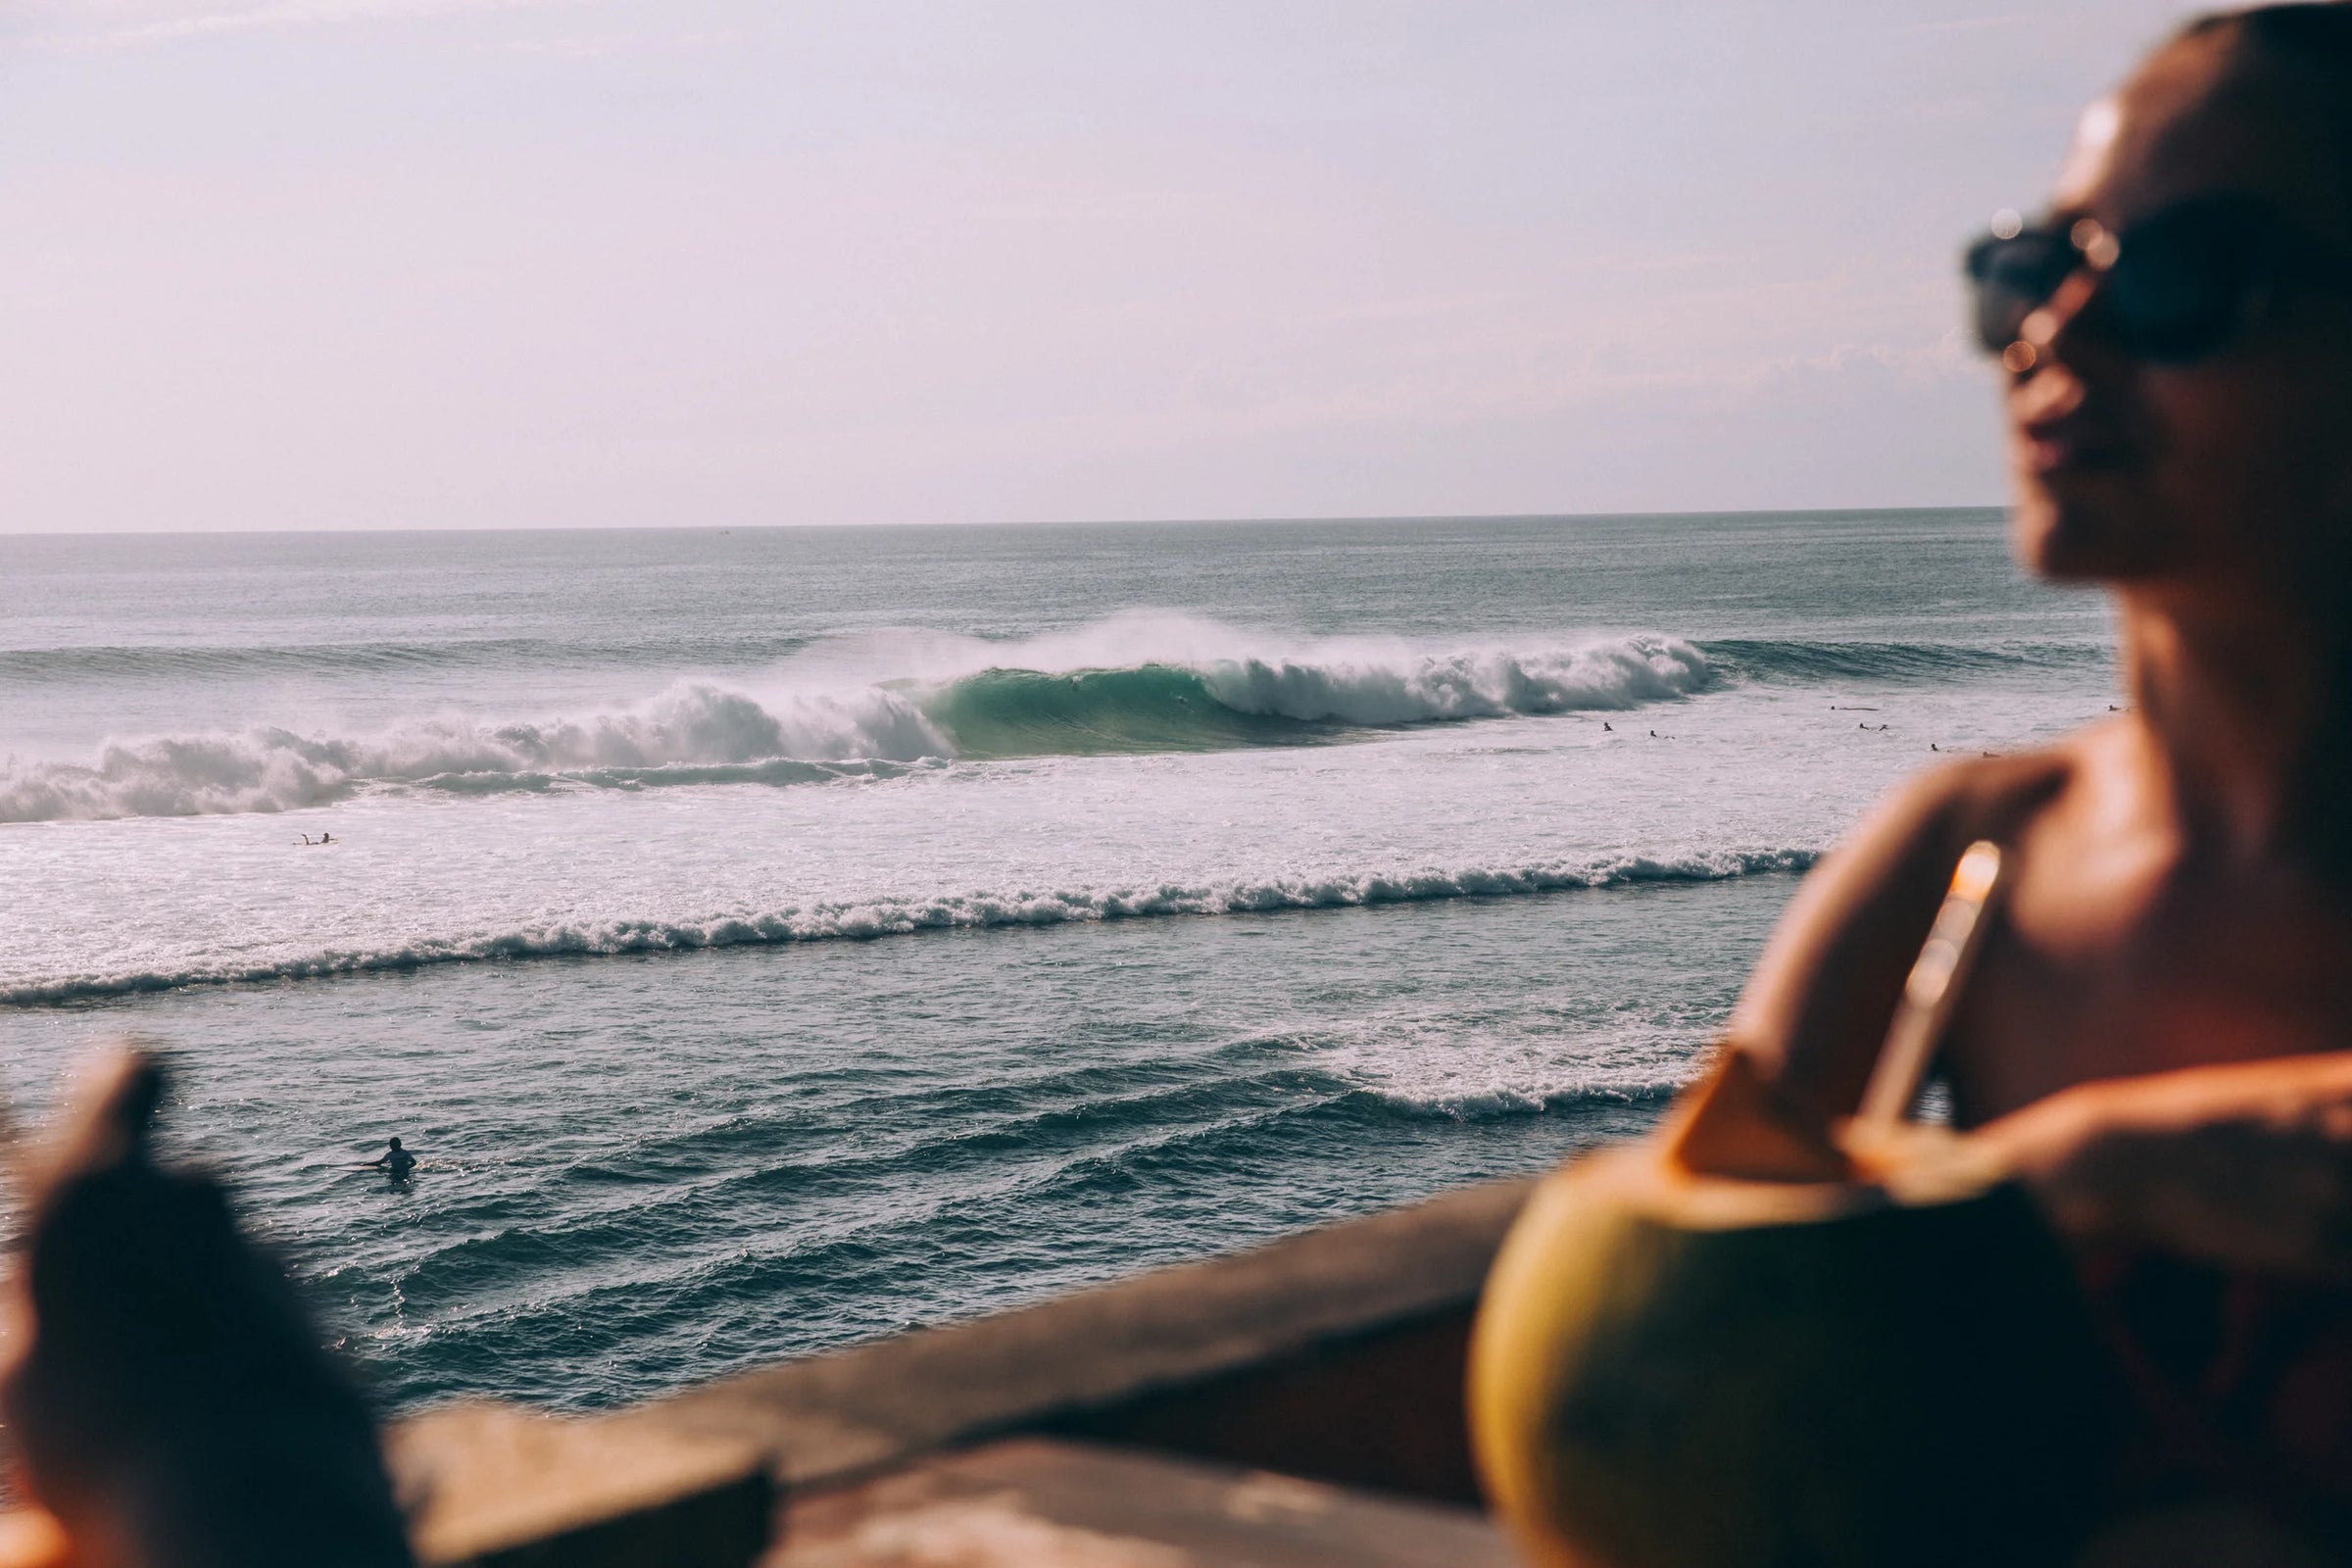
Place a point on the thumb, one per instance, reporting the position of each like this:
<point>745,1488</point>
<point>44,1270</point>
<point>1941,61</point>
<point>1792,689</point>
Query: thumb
<point>115,1101</point>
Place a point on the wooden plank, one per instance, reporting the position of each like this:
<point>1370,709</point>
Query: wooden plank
<point>1337,1351</point>
<point>489,1486</point>
<point>835,1416</point>
<point>1041,1502</point>
<point>1382,1411</point>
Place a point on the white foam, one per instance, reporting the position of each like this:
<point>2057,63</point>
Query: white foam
<point>896,916</point>
<point>692,725</point>
<point>1351,680</point>
<point>1419,688</point>
<point>861,700</point>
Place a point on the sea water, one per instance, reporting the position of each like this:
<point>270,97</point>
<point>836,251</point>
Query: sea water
<point>775,938</point>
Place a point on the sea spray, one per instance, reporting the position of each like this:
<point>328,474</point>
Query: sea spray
<point>692,726</point>
<point>1614,675</point>
<point>1218,688</point>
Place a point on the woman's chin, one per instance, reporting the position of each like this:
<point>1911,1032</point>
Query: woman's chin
<point>2072,536</point>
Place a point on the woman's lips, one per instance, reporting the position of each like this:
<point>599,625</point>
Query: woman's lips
<point>2069,444</point>
<point>2062,426</point>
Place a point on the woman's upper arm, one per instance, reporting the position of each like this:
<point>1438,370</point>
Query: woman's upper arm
<point>1817,1007</point>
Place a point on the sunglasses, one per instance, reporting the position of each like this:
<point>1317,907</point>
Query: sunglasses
<point>2174,288</point>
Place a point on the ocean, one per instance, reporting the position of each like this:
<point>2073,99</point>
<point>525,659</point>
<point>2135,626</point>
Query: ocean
<point>771,939</point>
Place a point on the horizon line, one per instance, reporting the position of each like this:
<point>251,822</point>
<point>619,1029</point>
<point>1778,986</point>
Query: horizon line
<point>999,523</point>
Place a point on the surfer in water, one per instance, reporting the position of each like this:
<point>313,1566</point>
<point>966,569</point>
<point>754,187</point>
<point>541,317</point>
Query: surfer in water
<point>395,1161</point>
<point>2157,1037</point>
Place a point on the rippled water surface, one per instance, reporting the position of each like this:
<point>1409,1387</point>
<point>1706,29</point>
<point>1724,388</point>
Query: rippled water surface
<point>773,939</point>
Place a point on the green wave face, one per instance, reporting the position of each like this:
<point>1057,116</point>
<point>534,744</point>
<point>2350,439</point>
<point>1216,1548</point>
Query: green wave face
<point>1152,708</point>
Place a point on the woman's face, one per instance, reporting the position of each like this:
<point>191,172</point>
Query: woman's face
<point>2230,474</point>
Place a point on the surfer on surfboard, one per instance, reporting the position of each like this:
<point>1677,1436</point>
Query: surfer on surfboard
<point>395,1161</point>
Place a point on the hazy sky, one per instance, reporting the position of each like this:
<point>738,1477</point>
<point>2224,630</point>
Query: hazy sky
<point>326,264</point>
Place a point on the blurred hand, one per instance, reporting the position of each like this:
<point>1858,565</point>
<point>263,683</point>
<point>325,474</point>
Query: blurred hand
<point>2247,1165</point>
<point>169,1401</point>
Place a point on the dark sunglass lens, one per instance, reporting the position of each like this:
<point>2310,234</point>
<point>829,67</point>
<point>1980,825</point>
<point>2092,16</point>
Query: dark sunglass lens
<point>2183,286</point>
<point>2014,277</point>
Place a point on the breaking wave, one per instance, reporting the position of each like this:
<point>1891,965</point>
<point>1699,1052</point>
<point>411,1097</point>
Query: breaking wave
<point>822,921</point>
<point>680,736</point>
<point>1284,699</point>
<point>1186,696</point>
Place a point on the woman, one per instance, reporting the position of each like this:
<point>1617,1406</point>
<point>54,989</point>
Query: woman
<point>2159,1030</point>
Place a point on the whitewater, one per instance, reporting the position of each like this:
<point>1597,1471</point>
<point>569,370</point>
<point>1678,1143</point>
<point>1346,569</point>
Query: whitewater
<point>775,938</point>
<point>1138,682</point>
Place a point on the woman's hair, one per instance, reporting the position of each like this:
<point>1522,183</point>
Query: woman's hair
<point>2322,26</point>
<point>2303,50</point>
<point>2302,53</point>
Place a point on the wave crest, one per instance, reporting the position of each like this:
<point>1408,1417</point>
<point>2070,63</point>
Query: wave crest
<point>822,922</point>
<point>1620,674</point>
<point>678,737</point>
<point>1209,695</point>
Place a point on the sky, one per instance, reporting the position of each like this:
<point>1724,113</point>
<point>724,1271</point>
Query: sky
<point>411,263</point>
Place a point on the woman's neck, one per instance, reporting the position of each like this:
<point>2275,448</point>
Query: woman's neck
<point>2248,710</point>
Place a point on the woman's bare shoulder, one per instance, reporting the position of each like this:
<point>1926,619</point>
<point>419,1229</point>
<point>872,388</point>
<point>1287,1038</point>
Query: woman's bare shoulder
<point>1818,1004</point>
<point>1991,797</point>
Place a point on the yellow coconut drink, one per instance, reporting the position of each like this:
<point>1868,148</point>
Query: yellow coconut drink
<point>1753,1342</point>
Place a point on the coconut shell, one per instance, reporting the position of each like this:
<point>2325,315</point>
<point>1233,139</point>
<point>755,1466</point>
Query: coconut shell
<point>1681,1371</point>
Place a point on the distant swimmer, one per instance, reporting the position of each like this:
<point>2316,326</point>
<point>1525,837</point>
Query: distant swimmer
<point>395,1161</point>
<point>1605,725</point>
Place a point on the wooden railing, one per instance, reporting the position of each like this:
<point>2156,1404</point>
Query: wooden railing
<point>1336,1354</point>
